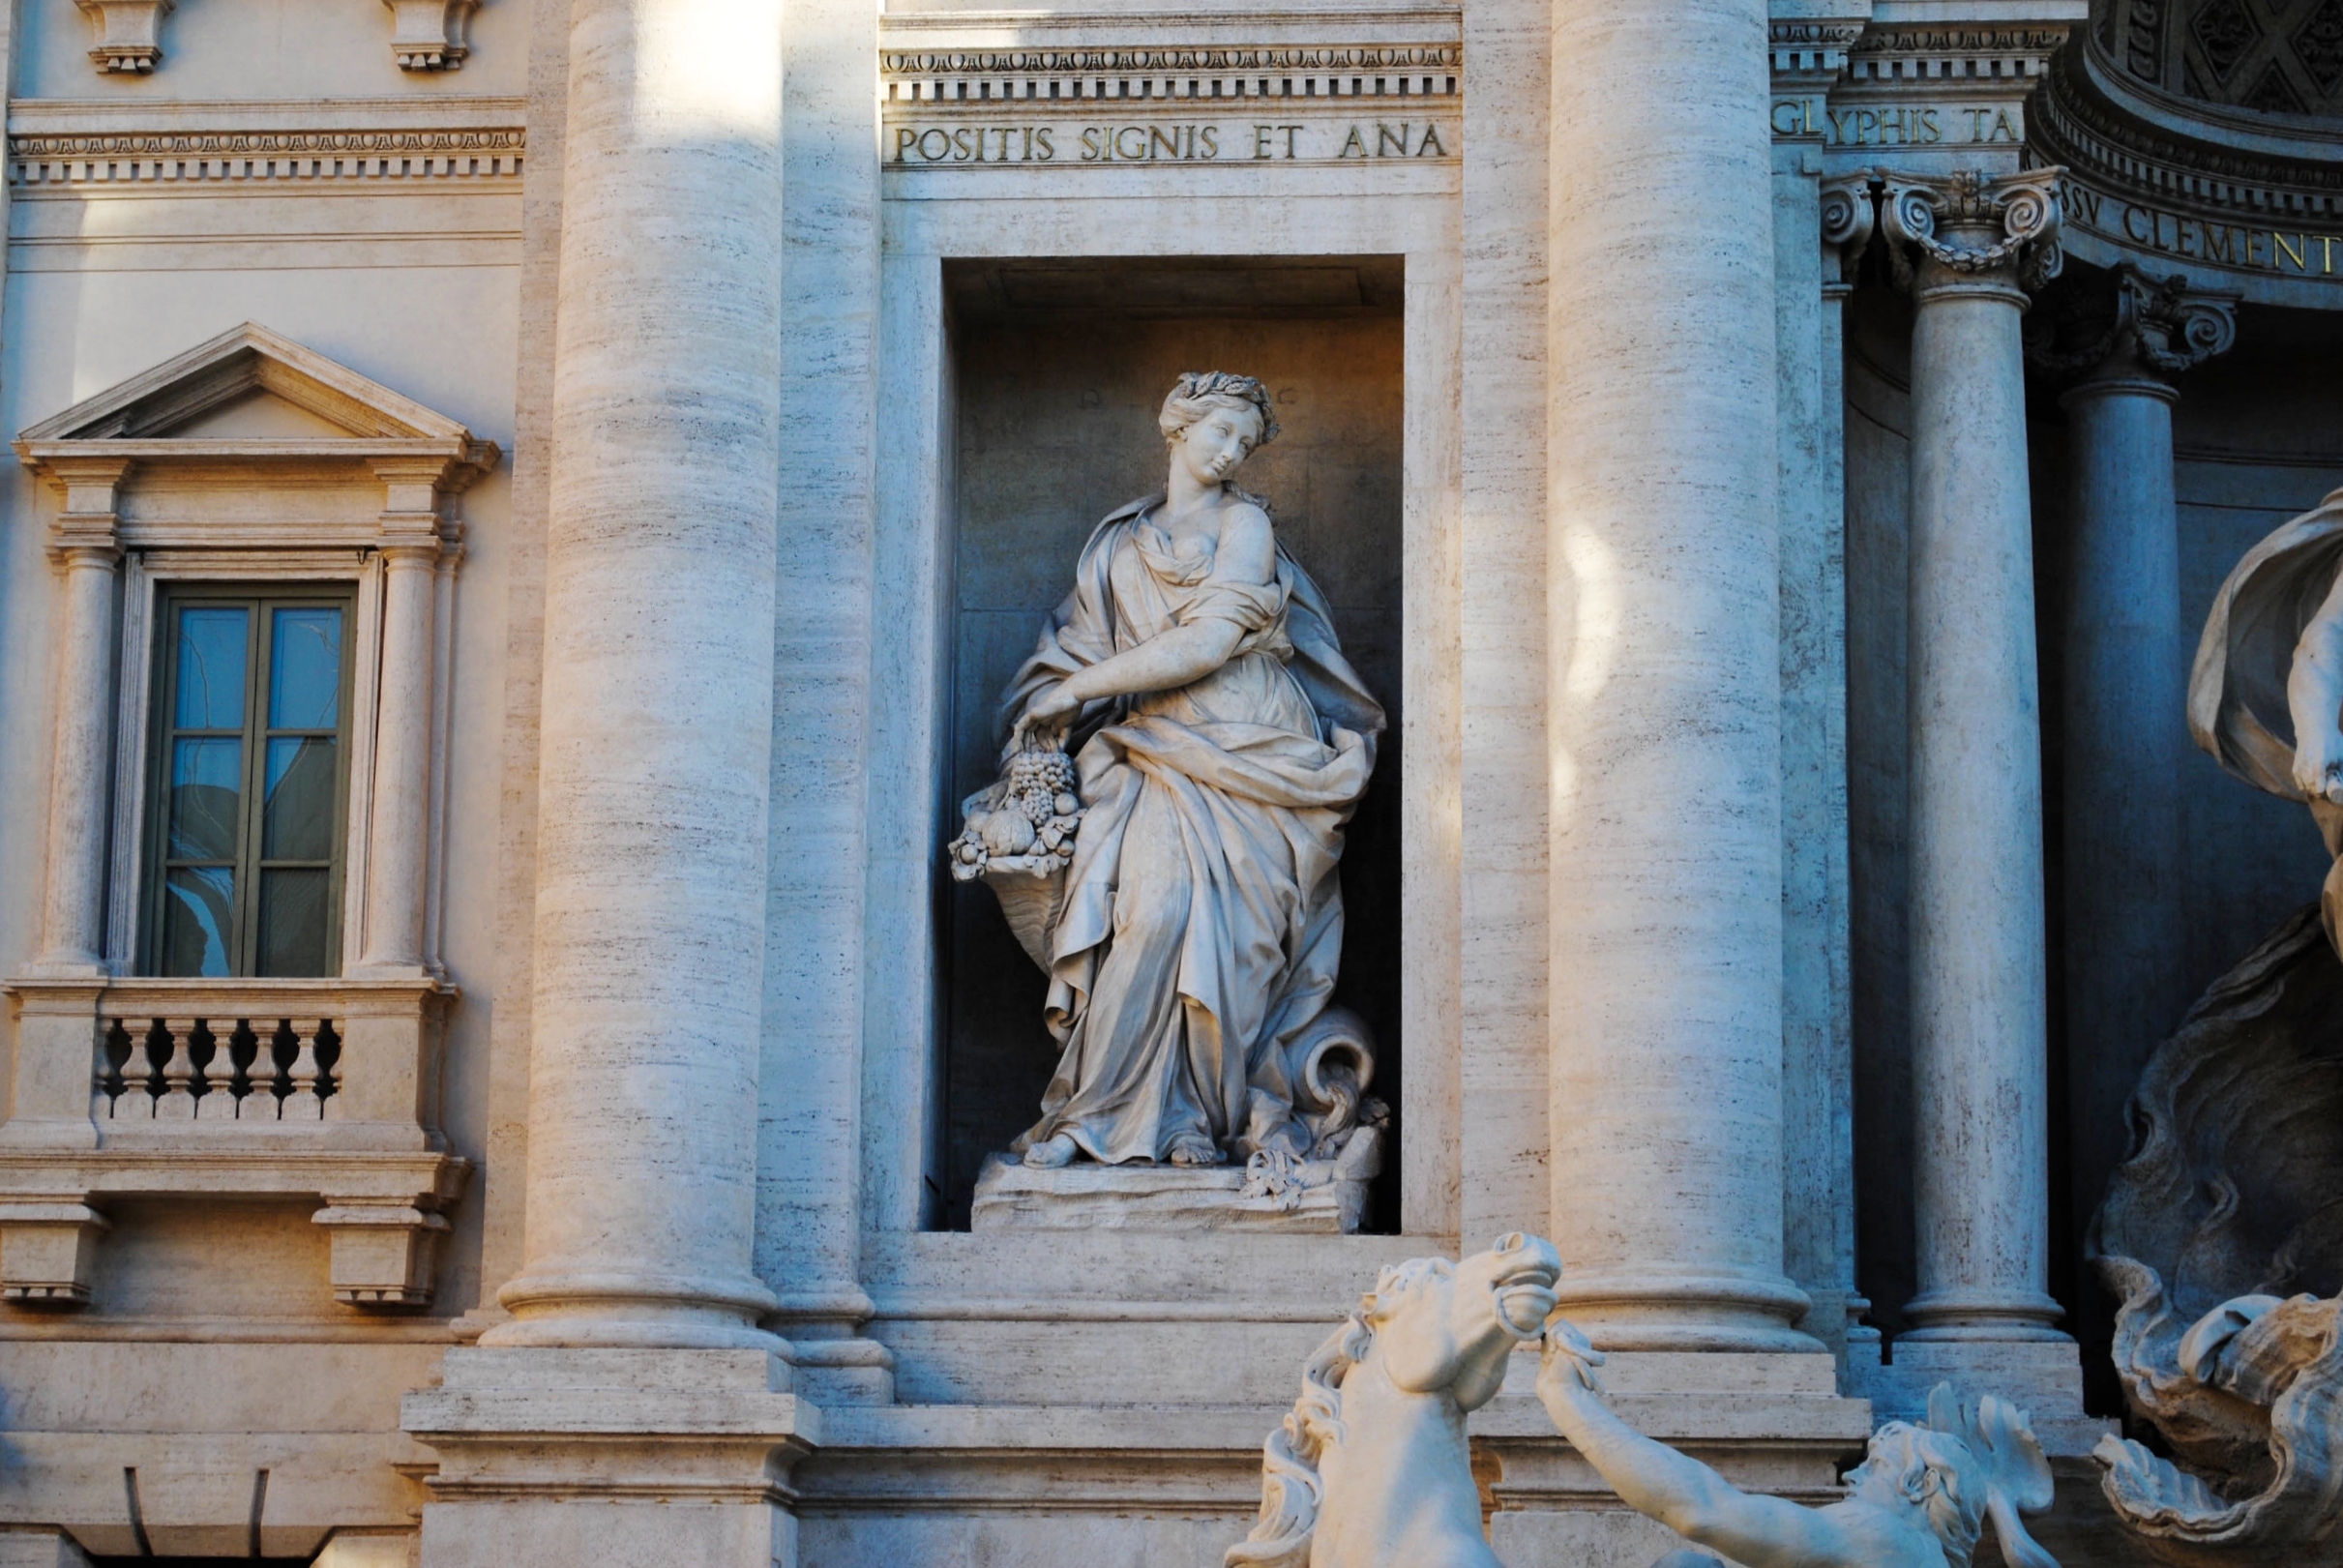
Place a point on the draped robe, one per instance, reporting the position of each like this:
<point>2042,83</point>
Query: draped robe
<point>1200,926</point>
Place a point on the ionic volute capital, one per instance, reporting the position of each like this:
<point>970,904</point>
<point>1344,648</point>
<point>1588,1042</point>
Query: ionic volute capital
<point>2129,321</point>
<point>1850,218</point>
<point>1972,223</point>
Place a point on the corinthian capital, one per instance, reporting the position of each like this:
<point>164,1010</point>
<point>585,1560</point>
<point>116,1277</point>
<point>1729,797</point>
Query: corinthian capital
<point>2131,319</point>
<point>1972,223</point>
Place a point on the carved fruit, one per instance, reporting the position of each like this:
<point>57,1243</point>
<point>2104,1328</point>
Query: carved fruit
<point>1007,832</point>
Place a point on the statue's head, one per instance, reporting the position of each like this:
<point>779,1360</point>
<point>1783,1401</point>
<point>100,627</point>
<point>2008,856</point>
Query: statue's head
<point>1966,1465</point>
<point>1452,1325</point>
<point>1215,420</point>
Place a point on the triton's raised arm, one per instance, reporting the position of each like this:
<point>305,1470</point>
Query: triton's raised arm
<point>1680,1491</point>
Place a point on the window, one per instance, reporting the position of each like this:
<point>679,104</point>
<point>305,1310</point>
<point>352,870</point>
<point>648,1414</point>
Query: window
<point>253,784</point>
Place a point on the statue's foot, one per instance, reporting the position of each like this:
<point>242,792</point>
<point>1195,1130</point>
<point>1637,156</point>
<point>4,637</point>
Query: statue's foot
<point>1052,1152</point>
<point>1195,1149</point>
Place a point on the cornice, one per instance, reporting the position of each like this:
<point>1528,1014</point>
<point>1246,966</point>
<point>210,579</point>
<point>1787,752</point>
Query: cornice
<point>2080,123</point>
<point>74,143</point>
<point>905,63</point>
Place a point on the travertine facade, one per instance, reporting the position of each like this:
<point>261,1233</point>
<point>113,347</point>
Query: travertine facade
<point>524,514</point>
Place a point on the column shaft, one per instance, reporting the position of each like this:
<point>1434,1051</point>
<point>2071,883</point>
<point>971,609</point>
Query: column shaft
<point>1978,971</point>
<point>73,926</point>
<point>396,857</point>
<point>1664,684</point>
<point>658,698</point>
<point>2125,722</point>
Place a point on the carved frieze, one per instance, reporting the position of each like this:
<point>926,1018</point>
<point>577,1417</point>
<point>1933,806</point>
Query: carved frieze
<point>167,155</point>
<point>1100,102</point>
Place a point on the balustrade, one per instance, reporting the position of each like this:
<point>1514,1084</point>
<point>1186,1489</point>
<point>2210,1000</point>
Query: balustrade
<point>223,1071</point>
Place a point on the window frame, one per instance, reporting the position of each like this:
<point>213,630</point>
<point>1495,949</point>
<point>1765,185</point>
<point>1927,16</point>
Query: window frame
<point>261,599</point>
<point>150,576</point>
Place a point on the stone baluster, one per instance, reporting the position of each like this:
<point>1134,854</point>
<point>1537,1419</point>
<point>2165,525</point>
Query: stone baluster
<point>136,1102</point>
<point>657,708</point>
<point>217,1103</point>
<point>304,1104</point>
<point>2125,729</point>
<point>1968,246</point>
<point>1664,687</point>
<point>178,1099</point>
<point>101,1083</point>
<point>260,1102</point>
<point>74,899</point>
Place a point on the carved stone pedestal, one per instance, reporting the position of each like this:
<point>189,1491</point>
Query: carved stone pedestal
<point>624,1458</point>
<point>1310,1197</point>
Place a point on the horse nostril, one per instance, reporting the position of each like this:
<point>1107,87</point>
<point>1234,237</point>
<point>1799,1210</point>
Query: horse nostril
<point>1512,1241</point>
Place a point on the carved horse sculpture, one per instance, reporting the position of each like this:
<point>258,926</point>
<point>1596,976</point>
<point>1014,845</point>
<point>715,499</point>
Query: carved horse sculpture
<point>1372,1470</point>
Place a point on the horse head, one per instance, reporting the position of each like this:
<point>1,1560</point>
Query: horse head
<point>1449,1326</point>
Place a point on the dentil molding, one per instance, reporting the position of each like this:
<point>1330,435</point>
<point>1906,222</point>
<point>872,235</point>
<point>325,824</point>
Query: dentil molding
<point>69,145</point>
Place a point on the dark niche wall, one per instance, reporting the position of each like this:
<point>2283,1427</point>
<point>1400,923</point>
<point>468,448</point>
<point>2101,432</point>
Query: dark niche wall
<point>1061,368</point>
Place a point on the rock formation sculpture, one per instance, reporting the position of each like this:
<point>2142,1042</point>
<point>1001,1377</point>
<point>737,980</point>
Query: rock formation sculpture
<point>2222,1235</point>
<point>1180,878</point>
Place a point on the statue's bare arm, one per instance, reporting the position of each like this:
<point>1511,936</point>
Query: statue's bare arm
<point>1686,1495</point>
<point>1175,657</point>
<point>2314,699</point>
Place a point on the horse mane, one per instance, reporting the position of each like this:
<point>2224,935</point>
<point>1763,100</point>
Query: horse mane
<point>1290,1490</point>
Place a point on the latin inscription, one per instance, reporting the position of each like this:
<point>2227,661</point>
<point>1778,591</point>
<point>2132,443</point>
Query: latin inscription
<point>1910,125</point>
<point>2286,251</point>
<point>1197,142</point>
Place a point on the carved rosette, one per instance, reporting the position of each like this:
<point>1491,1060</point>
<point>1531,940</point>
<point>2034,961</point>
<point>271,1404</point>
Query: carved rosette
<point>2004,229</point>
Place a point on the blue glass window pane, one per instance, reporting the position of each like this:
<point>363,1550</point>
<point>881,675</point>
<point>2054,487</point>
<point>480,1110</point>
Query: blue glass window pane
<point>293,923</point>
<point>304,669</point>
<point>297,813</point>
<point>212,641</point>
<point>198,910</point>
<point>207,798</point>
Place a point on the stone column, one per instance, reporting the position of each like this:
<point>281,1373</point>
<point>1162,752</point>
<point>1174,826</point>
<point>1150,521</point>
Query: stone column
<point>1968,246</point>
<point>2127,685</point>
<point>1663,701</point>
<point>397,861</point>
<point>73,910</point>
<point>655,750</point>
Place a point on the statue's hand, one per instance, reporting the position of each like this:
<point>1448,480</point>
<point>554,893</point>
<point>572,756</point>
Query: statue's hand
<point>2319,766</point>
<point>1568,1363</point>
<point>1048,715</point>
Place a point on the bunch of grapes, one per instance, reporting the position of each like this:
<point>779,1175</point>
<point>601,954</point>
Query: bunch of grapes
<point>1042,784</point>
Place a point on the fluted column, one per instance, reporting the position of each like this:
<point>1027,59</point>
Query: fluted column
<point>2126,678</point>
<point>658,697</point>
<point>72,908</point>
<point>1968,246</point>
<point>1664,686</point>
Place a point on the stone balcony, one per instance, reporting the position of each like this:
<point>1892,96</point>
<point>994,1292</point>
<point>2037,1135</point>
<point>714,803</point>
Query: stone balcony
<point>212,1089</point>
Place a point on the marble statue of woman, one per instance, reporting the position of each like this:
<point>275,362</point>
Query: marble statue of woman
<point>2266,698</point>
<point>1222,742</point>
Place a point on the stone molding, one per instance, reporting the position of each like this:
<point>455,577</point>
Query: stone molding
<point>2012,59</point>
<point>2024,207</point>
<point>57,144</point>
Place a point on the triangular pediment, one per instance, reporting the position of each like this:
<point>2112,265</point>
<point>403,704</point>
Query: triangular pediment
<point>226,387</point>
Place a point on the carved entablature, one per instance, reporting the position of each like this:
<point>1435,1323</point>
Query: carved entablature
<point>1866,89</point>
<point>2172,185</point>
<point>1034,92</point>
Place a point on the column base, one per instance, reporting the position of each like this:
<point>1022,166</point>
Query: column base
<point>2000,1316</point>
<point>2043,1377</point>
<point>1671,1311</point>
<point>619,1458</point>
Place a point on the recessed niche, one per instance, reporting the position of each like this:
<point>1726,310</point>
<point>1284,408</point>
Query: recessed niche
<point>1059,367</point>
